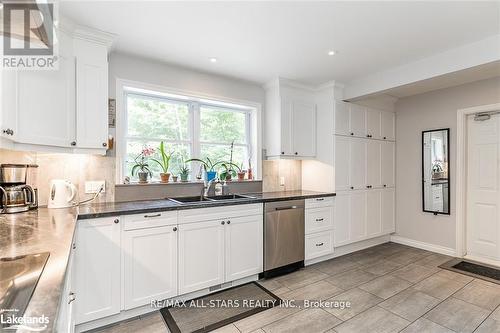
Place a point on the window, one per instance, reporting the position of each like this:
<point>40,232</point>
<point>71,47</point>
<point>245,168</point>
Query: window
<point>189,127</point>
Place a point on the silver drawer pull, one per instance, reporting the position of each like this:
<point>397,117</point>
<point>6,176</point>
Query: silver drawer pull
<point>154,215</point>
<point>285,208</point>
<point>319,244</point>
<point>319,220</point>
<point>320,199</point>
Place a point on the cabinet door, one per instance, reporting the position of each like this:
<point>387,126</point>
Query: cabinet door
<point>358,215</point>
<point>373,163</point>
<point>388,156</point>
<point>149,265</point>
<point>97,269</point>
<point>342,118</point>
<point>388,203</point>
<point>373,212</point>
<point>388,125</point>
<point>304,129</point>
<point>8,104</point>
<point>342,218</point>
<point>358,120</point>
<point>342,168</point>
<point>243,248</point>
<point>286,127</point>
<point>373,123</point>
<point>201,255</point>
<point>357,163</point>
<point>92,95</point>
<point>46,105</point>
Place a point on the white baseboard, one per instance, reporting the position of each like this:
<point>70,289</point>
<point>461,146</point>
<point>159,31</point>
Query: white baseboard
<point>424,246</point>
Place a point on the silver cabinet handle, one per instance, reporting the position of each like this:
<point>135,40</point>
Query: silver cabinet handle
<point>319,244</point>
<point>154,215</point>
<point>285,208</point>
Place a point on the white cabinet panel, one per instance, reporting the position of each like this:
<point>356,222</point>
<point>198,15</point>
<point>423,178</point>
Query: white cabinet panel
<point>357,163</point>
<point>97,269</point>
<point>65,314</point>
<point>388,125</point>
<point>358,120</point>
<point>373,212</point>
<point>201,255</point>
<point>342,118</point>
<point>342,165</point>
<point>149,265</point>
<point>373,124</point>
<point>388,163</point>
<point>388,201</point>
<point>286,127</point>
<point>92,95</point>
<point>373,163</point>
<point>243,247</point>
<point>318,219</point>
<point>46,106</point>
<point>319,244</point>
<point>304,129</point>
<point>358,215</point>
<point>342,218</point>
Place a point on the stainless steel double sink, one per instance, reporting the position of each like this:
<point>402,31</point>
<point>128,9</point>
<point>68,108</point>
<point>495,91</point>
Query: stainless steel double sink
<point>202,199</point>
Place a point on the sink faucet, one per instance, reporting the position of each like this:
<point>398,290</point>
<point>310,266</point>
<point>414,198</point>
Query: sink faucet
<point>206,187</point>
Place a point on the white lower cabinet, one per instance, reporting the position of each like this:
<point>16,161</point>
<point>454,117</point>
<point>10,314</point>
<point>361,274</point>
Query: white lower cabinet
<point>201,255</point>
<point>363,214</point>
<point>97,268</point>
<point>243,247</point>
<point>319,228</point>
<point>319,244</point>
<point>149,265</point>
<point>66,312</point>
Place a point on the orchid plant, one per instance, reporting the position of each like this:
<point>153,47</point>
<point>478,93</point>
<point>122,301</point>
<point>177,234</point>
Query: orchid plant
<point>141,161</point>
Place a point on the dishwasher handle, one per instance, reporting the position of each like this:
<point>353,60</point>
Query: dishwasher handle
<point>286,208</point>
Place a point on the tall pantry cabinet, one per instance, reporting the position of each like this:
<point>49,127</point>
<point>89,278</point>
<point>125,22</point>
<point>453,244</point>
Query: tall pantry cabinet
<point>364,173</point>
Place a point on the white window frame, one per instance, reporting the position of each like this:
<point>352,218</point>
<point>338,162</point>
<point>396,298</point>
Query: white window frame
<point>195,101</point>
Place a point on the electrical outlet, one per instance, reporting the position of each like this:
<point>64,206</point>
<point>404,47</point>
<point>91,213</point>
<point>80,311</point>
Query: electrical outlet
<point>282,181</point>
<point>94,186</point>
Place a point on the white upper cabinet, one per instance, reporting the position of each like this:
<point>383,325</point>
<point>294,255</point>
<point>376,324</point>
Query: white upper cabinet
<point>388,124</point>
<point>92,94</point>
<point>342,118</point>
<point>290,121</point>
<point>64,109</point>
<point>358,120</point>
<point>373,124</point>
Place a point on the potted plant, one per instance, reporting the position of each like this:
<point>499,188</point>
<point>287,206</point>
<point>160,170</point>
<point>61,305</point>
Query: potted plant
<point>174,178</point>
<point>208,165</point>
<point>228,172</point>
<point>163,162</point>
<point>141,165</point>
<point>184,173</point>
<point>241,172</point>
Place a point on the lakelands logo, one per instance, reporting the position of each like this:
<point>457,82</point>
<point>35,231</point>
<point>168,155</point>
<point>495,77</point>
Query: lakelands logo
<point>28,35</point>
<point>33,324</point>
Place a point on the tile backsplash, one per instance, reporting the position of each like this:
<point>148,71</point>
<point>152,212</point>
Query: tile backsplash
<point>79,168</point>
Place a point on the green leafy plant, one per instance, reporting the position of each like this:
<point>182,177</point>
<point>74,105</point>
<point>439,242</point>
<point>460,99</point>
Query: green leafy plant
<point>228,170</point>
<point>141,161</point>
<point>207,163</point>
<point>164,160</point>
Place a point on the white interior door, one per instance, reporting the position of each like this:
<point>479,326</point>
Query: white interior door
<point>483,194</point>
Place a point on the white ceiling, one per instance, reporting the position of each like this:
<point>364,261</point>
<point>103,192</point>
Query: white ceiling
<point>258,41</point>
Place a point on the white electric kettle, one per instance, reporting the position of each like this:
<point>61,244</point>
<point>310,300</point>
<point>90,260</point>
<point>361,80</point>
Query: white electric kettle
<point>62,194</point>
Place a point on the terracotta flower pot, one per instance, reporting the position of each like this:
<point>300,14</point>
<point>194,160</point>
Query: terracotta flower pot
<point>241,175</point>
<point>164,177</point>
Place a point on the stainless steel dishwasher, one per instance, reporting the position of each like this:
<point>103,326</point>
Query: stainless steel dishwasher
<point>284,229</point>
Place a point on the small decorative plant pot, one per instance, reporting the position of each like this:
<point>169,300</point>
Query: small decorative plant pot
<point>184,177</point>
<point>174,178</point>
<point>241,175</point>
<point>143,176</point>
<point>164,177</point>
<point>211,175</point>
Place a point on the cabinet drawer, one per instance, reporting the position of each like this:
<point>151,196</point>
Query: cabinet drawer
<point>319,219</point>
<point>149,220</point>
<point>319,244</point>
<point>319,202</point>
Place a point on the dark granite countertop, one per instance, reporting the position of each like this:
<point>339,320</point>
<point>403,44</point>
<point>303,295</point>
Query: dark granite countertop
<point>150,206</point>
<point>52,230</point>
<point>41,230</point>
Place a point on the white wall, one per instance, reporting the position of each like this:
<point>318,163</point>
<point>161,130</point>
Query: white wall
<point>122,66</point>
<point>433,110</point>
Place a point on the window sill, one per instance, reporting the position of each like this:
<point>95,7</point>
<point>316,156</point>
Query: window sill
<point>179,183</point>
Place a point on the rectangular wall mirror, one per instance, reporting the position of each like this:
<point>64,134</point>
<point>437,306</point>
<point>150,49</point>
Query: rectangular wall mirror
<point>435,171</point>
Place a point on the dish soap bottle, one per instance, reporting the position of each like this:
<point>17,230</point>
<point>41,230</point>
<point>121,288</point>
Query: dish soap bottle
<point>218,188</point>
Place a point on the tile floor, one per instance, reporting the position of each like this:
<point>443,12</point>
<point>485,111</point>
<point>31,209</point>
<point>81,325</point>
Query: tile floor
<point>391,288</point>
